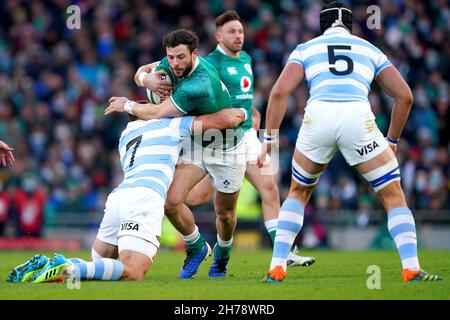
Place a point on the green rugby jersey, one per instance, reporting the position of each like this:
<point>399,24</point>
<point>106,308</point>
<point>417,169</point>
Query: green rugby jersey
<point>237,75</point>
<point>202,92</point>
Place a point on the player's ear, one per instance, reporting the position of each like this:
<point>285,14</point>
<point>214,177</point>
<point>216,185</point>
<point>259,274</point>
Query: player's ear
<point>218,36</point>
<point>195,52</point>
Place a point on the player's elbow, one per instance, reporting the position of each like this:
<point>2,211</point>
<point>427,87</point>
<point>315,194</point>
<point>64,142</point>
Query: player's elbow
<point>278,92</point>
<point>405,97</point>
<point>408,98</point>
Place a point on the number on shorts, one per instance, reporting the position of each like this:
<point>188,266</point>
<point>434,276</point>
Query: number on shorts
<point>333,58</point>
<point>137,142</point>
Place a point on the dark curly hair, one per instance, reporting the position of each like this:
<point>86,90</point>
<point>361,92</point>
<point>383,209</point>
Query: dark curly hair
<point>181,36</point>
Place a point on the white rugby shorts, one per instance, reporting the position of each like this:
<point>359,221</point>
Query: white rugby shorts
<point>347,126</point>
<point>136,211</point>
<point>226,169</point>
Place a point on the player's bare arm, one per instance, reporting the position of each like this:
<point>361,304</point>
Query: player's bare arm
<point>146,68</point>
<point>152,81</point>
<point>6,154</point>
<point>391,81</point>
<point>223,119</point>
<point>256,119</point>
<point>289,79</point>
<point>145,111</point>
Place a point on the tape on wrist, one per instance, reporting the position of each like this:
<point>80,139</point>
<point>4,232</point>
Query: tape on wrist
<point>141,77</point>
<point>392,141</point>
<point>269,139</point>
<point>128,107</point>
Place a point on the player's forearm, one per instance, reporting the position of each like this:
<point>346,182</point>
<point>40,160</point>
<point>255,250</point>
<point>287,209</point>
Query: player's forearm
<point>391,81</point>
<point>140,74</point>
<point>204,124</point>
<point>289,79</point>
<point>224,119</point>
<point>146,111</point>
<point>399,115</point>
<point>276,110</point>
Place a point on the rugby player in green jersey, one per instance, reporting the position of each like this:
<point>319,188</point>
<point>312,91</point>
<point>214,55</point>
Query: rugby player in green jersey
<point>235,69</point>
<point>198,90</point>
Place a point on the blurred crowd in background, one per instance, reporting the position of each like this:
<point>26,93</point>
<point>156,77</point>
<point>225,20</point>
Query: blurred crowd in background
<point>55,84</point>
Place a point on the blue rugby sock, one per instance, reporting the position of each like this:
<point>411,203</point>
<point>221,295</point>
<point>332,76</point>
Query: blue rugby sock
<point>290,223</point>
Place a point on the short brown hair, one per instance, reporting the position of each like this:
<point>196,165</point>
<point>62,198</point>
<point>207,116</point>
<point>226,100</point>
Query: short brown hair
<point>181,36</point>
<point>230,15</point>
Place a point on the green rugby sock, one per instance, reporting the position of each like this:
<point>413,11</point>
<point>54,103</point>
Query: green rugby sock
<point>194,241</point>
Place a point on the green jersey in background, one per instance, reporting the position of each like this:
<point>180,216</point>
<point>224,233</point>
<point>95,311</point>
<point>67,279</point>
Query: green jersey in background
<point>237,75</point>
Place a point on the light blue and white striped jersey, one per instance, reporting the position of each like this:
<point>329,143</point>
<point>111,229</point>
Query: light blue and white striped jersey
<point>149,152</point>
<point>339,66</point>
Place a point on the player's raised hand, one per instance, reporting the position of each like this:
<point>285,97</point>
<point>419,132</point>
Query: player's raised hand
<point>6,154</point>
<point>116,104</point>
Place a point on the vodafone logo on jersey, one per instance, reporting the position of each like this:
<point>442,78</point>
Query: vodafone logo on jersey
<point>246,84</point>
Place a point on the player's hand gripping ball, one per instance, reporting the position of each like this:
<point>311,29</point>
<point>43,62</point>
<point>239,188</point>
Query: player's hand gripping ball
<point>153,97</point>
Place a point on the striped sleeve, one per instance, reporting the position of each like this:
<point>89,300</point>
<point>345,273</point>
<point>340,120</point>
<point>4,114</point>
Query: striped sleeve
<point>296,56</point>
<point>381,63</point>
<point>186,126</point>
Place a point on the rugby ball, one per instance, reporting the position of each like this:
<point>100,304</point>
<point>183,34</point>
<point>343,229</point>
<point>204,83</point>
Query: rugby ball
<point>152,96</point>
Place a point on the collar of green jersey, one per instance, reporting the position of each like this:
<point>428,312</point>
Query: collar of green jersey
<point>223,52</point>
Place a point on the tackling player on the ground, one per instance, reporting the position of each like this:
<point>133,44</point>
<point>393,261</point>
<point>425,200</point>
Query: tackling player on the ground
<point>235,69</point>
<point>339,68</point>
<point>128,237</point>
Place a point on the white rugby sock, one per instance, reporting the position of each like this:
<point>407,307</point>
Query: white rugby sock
<point>102,269</point>
<point>403,230</point>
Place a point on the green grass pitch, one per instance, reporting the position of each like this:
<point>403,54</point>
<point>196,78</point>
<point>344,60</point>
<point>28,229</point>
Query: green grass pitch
<point>335,275</point>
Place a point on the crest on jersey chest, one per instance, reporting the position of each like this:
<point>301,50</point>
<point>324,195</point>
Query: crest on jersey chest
<point>248,67</point>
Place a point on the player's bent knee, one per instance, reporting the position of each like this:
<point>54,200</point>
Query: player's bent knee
<point>226,216</point>
<point>383,176</point>
<point>137,256</point>
<point>171,204</point>
<point>198,199</point>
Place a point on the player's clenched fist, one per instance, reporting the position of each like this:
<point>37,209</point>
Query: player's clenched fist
<point>116,104</point>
